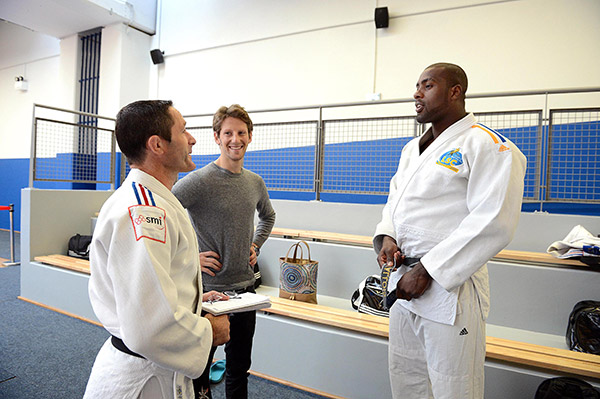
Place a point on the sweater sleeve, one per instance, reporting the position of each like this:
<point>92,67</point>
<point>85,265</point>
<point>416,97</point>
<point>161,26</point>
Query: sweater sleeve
<point>266,216</point>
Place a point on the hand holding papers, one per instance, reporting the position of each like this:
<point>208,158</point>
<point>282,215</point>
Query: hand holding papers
<point>244,302</point>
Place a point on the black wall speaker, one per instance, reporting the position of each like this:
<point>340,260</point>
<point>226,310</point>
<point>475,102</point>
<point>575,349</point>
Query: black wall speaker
<point>157,56</point>
<point>382,17</point>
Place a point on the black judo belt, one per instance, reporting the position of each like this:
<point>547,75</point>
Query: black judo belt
<point>120,345</point>
<point>386,272</point>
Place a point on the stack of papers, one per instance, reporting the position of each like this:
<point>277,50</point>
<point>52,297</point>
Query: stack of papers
<point>240,303</point>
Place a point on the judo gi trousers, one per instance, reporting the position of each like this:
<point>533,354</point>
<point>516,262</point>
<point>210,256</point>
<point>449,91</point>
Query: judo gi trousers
<point>434,360</point>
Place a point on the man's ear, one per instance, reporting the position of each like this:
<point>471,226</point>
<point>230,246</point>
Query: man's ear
<point>456,92</point>
<point>217,138</point>
<point>155,145</point>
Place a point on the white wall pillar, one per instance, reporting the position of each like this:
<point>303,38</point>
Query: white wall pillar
<point>69,65</point>
<point>124,68</point>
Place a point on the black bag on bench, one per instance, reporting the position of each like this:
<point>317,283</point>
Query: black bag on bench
<point>79,246</point>
<point>583,330</point>
<point>566,388</point>
<point>368,298</point>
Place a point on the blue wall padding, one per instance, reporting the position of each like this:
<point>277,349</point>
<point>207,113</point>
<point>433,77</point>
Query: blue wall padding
<point>15,176</point>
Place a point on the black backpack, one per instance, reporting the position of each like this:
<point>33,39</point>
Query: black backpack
<point>583,330</point>
<point>566,388</point>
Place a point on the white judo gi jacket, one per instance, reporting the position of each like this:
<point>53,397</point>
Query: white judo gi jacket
<point>145,285</point>
<point>455,206</point>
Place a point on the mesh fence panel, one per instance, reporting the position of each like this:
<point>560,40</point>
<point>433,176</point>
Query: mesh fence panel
<point>348,156</point>
<point>361,156</point>
<point>283,154</point>
<point>71,152</point>
<point>573,161</point>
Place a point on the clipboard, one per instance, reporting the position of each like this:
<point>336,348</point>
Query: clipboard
<point>244,302</point>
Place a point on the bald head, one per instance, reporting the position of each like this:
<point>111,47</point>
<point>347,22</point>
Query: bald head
<point>453,74</point>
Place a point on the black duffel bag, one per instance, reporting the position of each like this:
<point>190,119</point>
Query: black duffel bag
<point>79,246</point>
<point>566,388</point>
<point>368,298</point>
<point>583,330</point>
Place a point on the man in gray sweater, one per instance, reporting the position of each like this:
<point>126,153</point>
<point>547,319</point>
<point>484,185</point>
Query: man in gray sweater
<point>221,199</point>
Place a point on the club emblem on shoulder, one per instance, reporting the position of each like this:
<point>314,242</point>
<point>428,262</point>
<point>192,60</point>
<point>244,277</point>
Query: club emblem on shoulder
<point>451,160</point>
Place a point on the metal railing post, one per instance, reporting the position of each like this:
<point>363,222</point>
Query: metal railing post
<point>319,157</point>
<point>12,238</point>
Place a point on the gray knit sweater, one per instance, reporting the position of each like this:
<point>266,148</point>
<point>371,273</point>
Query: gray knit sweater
<point>221,206</point>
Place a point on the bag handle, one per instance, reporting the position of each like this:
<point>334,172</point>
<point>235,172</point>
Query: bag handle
<point>287,256</point>
<point>358,295</point>
<point>296,246</point>
<point>307,250</point>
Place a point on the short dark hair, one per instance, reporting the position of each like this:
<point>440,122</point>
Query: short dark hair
<point>137,122</point>
<point>234,111</point>
<point>454,74</point>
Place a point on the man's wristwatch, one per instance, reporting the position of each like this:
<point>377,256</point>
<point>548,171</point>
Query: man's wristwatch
<point>256,249</point>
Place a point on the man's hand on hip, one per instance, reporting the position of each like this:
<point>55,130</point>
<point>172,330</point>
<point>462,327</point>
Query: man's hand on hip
<point>209,262</point>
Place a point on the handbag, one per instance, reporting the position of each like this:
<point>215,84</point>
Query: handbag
<point>368,298</point>
<point>298,275</point>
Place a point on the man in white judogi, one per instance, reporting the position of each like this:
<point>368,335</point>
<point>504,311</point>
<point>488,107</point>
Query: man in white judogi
<point>145,285</point>
<point>453,204</point>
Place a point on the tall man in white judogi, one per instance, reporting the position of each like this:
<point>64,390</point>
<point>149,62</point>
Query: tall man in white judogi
<point>453,204</point>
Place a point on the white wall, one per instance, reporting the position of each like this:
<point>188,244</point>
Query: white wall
<point>507,46</point>
<point>50,72</point>
<point>17,106</point>
<point>267,54</point>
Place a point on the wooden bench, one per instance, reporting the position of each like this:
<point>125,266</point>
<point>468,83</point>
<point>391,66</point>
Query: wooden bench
<point>543,357</point>
<point>537,356</point>
<point>66,262</point>
<point>82,265</point>
<point>534,258</point>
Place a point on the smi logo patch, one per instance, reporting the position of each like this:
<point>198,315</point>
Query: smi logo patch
<point>149,222</point>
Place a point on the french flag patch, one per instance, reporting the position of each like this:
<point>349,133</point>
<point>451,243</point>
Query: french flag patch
<point>143,195</point>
